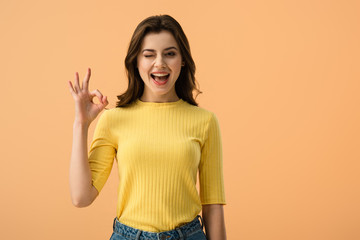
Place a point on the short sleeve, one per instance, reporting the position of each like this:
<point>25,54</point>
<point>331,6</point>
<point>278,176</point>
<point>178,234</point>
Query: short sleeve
<point>102,152</point>
<point>211,165</point>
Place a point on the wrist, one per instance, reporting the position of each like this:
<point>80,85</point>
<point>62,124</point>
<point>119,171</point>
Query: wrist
<point>79,124</point>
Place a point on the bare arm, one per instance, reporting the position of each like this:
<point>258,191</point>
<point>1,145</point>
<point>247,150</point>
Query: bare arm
<point>83,193</point>
<point>213,216</point>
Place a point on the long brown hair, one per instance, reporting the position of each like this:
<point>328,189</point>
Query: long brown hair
<point>184,85</point>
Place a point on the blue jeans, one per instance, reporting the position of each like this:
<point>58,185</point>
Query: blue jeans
<point>190,231</point>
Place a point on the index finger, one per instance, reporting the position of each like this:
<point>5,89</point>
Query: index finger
<point>86,80</point>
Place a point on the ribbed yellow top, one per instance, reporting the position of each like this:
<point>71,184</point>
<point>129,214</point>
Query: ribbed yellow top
<point>159,147</point>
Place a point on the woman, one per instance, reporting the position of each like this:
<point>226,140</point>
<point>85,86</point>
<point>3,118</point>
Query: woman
<point>159,137</point>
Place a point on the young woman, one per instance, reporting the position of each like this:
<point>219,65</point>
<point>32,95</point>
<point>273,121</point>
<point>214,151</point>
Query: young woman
<point>160,139</point>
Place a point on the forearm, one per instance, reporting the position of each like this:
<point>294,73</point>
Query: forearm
<point>81,189</point>
<point>214,222</point>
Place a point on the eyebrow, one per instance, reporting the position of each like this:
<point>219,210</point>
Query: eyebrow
<point>152,50</point>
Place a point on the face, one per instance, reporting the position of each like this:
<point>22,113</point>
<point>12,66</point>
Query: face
<point>159,63</point>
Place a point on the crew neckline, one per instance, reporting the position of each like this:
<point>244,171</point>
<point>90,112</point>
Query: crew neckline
<point>158,104</point>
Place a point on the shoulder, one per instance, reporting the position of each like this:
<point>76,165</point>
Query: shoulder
<point>110,113</point>
<point>203,119</point>
<point>200,112</point>
<point>107,113</point>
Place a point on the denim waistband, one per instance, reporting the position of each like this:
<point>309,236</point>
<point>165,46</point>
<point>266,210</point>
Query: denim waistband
<point>178,233</point>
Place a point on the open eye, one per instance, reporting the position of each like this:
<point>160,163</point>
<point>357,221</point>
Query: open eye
<point>171,53</point>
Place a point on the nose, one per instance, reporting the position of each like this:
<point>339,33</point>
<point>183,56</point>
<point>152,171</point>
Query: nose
<point>159,62</point>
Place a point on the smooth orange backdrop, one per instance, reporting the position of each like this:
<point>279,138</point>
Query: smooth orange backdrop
<point>282,77</point>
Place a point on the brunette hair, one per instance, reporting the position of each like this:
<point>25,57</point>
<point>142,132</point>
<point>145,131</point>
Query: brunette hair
<point>184,85</point>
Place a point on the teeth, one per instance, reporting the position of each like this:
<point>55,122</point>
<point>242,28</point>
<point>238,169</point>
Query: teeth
<point>160,74</point>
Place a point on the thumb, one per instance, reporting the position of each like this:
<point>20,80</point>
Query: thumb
<point>104,101</point>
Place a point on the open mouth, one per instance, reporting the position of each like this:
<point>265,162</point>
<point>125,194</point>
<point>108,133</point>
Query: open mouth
<point>160,79</point>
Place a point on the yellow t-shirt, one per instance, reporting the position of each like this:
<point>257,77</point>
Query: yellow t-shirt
<point>159,147</point>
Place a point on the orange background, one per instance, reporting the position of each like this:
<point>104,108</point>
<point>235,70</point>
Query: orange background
<point>282,77</point>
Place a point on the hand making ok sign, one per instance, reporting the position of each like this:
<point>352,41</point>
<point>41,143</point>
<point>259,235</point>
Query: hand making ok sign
<point>85,109</point>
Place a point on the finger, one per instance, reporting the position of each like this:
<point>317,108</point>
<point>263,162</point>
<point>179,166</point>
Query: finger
<point>86,80</point>
<point>105,101</point>
<point>98,94</point>
<point>77,85</point>
<point>71,88</point>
